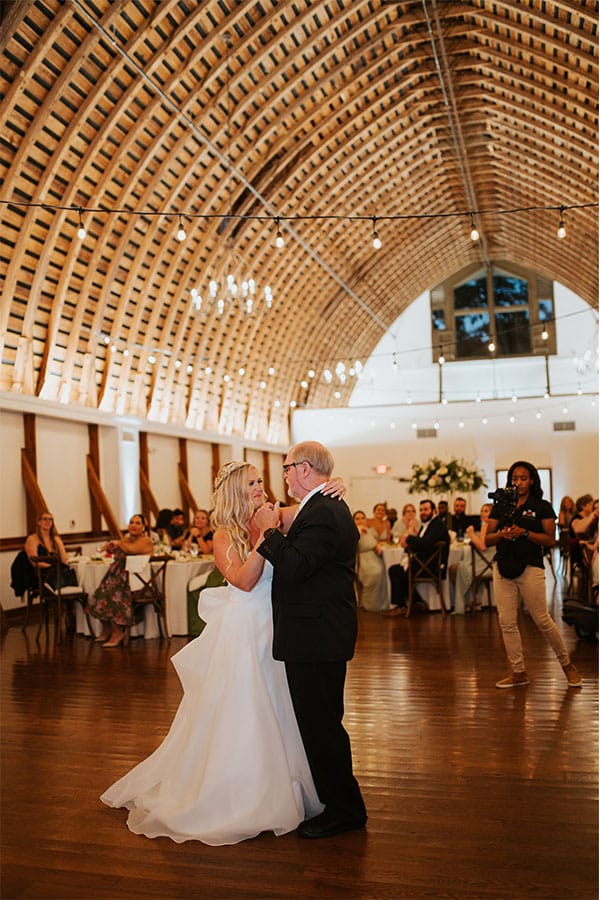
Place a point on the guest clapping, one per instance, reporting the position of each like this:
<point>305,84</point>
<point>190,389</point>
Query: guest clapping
<point>407,524</point>
<point>200,535</point>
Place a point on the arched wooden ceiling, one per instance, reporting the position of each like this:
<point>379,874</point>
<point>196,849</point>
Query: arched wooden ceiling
<point>415,112</point>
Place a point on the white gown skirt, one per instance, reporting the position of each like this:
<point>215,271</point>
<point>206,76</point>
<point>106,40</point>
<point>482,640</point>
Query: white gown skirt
<point>233,764</point>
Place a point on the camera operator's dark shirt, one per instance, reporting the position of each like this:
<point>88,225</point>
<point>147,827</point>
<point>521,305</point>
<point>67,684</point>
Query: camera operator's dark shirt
<point>529,516</point>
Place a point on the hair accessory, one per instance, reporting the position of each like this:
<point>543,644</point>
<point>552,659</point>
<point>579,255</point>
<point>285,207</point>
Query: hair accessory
<point>227,470</point>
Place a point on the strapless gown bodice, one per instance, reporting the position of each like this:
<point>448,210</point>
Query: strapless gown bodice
<point>232,764</point>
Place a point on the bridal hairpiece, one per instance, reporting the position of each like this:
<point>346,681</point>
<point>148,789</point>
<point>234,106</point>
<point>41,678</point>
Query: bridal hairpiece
<point>227,470</point>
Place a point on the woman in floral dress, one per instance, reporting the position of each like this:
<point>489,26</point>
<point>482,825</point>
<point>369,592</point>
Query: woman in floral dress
<point>111,601</point>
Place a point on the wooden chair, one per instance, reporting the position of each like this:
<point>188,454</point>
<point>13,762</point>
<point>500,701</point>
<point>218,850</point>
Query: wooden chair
<point>430,570</point>
<point>54,598</point>
<point>150,581</point>
<point>481,576</point>
<point>564,549</point>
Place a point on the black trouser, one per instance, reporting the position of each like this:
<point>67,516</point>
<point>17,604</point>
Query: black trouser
<point>317,691</point>
<point>399,583</point>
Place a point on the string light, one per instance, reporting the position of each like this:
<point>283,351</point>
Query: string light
<point>181,235</point>
<point>376,239</point>
<point>81,232</point>
<point>279,241</point>
<point>474,232</point>
<point>562,231</point>
<point>491,346</point>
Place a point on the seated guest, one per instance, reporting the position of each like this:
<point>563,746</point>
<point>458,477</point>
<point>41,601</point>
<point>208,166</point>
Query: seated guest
<point>584,519</point>
<point>566,512</point>
<point>432,531</point>
<point>379,524</point>
<point>370,569</point>
<point>163,520</point>
<point>459,521</point>
<point>590,540</point>
<point>46,542</point>
<point>443,512</point>
<point>406,524</point>
<point>392,517</point>
<point>462,572</point>
<point>111,601</point>
<point>176,529</point>
<point>199,534</point>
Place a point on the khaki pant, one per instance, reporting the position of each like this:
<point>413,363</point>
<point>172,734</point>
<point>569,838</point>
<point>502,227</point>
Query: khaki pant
<point>532,587</point>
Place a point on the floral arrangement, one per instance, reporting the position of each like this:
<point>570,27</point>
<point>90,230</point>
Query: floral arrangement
<point>439,477</point>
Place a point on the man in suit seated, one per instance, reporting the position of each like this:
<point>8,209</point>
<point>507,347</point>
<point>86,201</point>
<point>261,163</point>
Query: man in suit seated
<point>432,531</point>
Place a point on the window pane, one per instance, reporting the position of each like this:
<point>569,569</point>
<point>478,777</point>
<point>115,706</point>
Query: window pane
<point>438,319</point>
<point>509,291</point>
<point>545,310</point>
<point>472,335</point>
<point>471,294</point>
<point>512,333</point>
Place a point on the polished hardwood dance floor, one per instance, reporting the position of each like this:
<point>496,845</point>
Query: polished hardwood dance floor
<point>472,792</point>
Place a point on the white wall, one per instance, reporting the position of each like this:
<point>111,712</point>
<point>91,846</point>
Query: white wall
<point>573,461</point>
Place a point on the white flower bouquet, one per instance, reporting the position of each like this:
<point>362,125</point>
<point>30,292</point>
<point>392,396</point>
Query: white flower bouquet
<point>437,477</point>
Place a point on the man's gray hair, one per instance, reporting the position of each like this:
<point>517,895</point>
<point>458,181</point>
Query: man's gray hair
<point>314,453</point>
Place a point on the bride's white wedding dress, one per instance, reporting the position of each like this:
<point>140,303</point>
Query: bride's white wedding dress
<point>232,764</point>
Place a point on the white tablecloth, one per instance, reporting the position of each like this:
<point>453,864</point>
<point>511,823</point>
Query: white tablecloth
<point>393,556</point>
<point>177,574</point>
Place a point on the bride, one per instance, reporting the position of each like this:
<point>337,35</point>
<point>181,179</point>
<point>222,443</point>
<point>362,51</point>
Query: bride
<point>233,763</point>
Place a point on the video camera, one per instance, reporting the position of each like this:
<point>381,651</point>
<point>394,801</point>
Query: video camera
<point>506,499</point>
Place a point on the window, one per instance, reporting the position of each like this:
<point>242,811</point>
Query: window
<point>508,305</point>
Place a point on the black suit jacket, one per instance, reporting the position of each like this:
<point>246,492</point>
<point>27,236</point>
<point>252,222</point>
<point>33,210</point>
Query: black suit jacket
<point>314,604</point>
<point>423,546</point>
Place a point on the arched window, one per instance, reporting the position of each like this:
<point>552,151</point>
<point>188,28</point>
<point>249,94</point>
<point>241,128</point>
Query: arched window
<point>504,305</point>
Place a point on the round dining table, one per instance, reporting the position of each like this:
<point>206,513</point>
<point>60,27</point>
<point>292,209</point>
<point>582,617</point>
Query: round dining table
<point>178,572</point>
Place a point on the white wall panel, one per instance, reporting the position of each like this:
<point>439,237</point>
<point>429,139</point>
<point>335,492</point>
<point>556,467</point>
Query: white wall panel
<point>199,457</point>
<point>13,520</point>
<point>62,448</point>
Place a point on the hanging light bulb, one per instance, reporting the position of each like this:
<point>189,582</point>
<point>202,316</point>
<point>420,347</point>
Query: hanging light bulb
<point>491,346</point>
<point>376,239</point>
<point>544,334</point>
<point>181,235</point>
<point>81,232</point>
<point>474,232</point>
<point>562,231</point>
<point>279,241</point>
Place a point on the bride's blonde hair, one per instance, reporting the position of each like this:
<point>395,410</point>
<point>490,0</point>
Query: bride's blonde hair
<point>232,507</point>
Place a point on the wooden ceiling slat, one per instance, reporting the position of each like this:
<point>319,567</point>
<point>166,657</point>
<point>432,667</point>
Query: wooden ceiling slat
<point>337,108</point>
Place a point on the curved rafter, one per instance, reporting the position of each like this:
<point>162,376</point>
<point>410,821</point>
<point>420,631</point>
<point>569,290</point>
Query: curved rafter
<point>337,109</point>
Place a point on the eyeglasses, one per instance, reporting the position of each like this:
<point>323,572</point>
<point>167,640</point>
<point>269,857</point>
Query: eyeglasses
<point>294,464</point>
<point>46,519</point>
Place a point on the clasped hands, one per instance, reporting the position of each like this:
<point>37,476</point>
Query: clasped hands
<point>512,532</point>
<point>267,516</point>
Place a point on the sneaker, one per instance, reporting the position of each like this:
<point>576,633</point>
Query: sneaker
<point>515,679</point>
<point>573,676</point>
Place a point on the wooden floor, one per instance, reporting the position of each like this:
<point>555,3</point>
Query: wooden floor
<point>471,792</point>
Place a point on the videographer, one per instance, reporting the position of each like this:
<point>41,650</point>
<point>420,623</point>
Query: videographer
<point>521,526</point>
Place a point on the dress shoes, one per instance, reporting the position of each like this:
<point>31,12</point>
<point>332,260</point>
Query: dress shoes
<point>329,823</point>
<point>395,611</point>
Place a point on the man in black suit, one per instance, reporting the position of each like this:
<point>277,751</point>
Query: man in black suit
<point>315,627</point>
<point>432,531</point>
